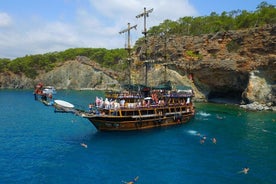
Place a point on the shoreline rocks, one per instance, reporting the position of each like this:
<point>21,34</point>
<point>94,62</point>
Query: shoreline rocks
<point>255,106</point>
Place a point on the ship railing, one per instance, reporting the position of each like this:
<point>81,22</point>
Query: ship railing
<point>159,115</point>
<point>146,116</point>
<point>177,95</point>
<point>137,106</point>
<point>172,113</point>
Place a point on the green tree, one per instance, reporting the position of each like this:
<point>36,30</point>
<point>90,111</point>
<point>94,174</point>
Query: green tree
<point>265,14</point>
<point>4,64</point>
<point>236,19</point>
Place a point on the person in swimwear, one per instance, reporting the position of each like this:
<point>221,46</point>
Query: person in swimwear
<point>244,170</point>
<point>131,182</point>
<point>202,139</point>
<point>214,140</point>
<point>84,145</point>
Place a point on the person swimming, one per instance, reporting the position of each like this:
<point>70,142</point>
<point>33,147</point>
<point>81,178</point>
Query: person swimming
<point>214,140</point>
<point>245,170</point>
<point>202,138</point>
<point>131,182</point>
<point>84,145</point>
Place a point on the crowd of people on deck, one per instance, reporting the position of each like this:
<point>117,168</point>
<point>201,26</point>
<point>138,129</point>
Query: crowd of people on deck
<point>118,103</point>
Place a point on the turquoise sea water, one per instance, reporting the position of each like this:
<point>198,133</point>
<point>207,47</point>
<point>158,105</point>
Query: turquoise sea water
<point>40,146</point>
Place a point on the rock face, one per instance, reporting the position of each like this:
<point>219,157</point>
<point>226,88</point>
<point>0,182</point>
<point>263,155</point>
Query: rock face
<point>79,75</point>
<point>236,65</point>
<point>258,89</point>
<point>76,74</point>
<point>10,80</point>
<point>260,93</point>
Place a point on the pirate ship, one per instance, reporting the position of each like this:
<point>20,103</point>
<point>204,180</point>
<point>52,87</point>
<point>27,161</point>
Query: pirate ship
<point>141,107</point>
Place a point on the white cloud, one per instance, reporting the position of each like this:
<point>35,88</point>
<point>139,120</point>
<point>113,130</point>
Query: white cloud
<point>122,12</point>
<point>5,20</point>
<point>97,25</point>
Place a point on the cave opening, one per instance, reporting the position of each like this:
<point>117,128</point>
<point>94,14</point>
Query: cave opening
<point>232,97</point>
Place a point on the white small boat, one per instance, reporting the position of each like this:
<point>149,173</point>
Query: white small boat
<point>63,106</point>
<point>49,90</point>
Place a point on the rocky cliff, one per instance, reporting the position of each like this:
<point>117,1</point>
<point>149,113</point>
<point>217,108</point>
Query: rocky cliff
<point>77,74</point>
<point>236,65</point>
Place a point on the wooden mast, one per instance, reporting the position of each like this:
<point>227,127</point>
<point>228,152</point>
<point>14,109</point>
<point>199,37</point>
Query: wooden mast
<point>145,14</point>
<point>128,48</point>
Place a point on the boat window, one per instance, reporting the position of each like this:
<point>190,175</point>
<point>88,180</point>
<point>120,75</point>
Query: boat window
<point>173,109</point>
<point>135,113</point>
<point>178,109</point>
<point>130,113</point>
<point>144,112</point>
<point>115,113</point>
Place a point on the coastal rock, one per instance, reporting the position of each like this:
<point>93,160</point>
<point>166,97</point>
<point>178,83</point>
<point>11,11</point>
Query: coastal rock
<point>79,75</point>
<point>236,65</point>
<point>258,88</point>
<point>255,106</point>
<point>9,80</point>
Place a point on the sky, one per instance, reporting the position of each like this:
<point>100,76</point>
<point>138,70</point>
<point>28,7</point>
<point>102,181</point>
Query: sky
<point>40,26</point>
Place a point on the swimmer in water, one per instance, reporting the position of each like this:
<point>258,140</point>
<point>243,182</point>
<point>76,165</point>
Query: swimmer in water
<point>202,139</point>
<point>84,145</point>
<point>219,117</point>
<point>244,170</point>
<point>131,182</point>
<point>214,140</point>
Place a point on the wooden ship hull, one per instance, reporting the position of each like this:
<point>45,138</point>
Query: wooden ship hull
<point>139,122</point>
